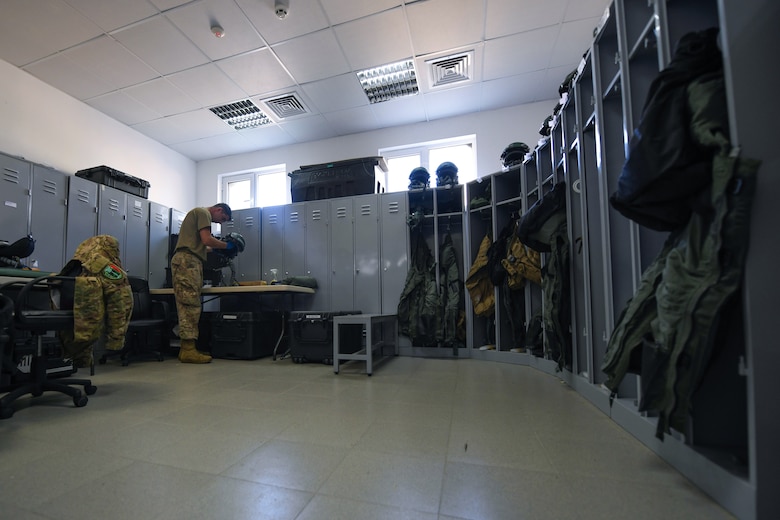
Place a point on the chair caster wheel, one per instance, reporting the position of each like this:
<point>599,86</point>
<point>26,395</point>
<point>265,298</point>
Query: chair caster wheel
<point>6,413</point>
<point>90,389</point>
<point>80,400</point>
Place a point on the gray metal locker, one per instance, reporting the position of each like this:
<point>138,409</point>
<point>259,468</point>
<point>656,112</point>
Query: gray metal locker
<point>273,241</point>
<point>112,205</point>
<point>394,248</point>
<point>135,253</point>
<point>159,232</point>
<point>342,255</point>
<point>82,213</point>
<point>177,217</point>
<point>368,298</point>
<point>15,207</point>
<point>48,216</point>
<point>248,223</point>
<point>318,251</point>
<point>294,236</point>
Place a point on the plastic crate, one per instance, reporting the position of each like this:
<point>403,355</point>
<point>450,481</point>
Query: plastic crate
<point>338,179</point>
<point>311,335</point>
<point>116,179</point>
<point>245,335</point>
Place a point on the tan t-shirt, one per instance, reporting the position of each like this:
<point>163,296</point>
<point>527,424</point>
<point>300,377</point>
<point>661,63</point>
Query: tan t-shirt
<point>189,234</point>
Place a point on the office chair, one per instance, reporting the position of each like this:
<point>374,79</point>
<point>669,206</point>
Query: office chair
<point>149,316</point>
<point>43,369</point>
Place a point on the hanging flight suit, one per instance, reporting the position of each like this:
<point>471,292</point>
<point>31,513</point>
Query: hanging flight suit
<point>102,299</point>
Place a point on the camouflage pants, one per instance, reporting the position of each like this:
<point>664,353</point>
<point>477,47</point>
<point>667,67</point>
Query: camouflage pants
<point>187,276</point>
<point>100,305</point>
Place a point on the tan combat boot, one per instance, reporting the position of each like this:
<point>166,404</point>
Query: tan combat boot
<point>189,354</point>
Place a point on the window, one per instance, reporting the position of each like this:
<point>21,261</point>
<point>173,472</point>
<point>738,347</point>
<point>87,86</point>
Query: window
<point>256,189</point>
<point>401,160</point>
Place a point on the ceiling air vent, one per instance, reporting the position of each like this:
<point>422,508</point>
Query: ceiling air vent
<point>241,115</point>
<point>451,69</point>
<point>286,106</point>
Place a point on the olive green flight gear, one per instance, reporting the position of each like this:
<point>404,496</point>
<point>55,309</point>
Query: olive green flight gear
<point>478,283</point>
<point>102,299</point>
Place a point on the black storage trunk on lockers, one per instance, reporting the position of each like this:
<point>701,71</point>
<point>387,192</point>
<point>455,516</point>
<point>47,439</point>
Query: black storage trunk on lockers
<point>245,335</point>
<point>116,179</point>
<point>339,179</point>
<point>311,335</point>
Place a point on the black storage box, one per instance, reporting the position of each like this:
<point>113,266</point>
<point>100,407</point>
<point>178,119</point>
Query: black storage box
<point>311,335</point>
<point>116,179</point>
<point>245,335</point>
<point>338,179</point>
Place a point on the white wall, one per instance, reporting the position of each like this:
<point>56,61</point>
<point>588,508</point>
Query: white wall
<point>494,130</point>
<point>46,126</point>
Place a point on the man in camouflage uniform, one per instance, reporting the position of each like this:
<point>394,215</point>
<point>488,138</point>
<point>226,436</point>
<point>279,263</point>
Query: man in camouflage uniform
<point>102,299</point>
<point>195,239</point>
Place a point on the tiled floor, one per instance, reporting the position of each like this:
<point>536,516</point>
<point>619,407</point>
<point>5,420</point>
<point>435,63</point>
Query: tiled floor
<point>420,439</point>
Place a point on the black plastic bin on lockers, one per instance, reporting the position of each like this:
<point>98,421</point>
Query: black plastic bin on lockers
<point>311,335</point>
<point>116,179</point>
<point>339,179</point>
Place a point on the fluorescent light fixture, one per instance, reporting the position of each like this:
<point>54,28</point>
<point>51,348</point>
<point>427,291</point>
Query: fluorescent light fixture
<point>241,115</point>
<point>389,81</point>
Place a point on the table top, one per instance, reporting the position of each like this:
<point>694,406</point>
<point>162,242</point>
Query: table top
<point>239,289</point>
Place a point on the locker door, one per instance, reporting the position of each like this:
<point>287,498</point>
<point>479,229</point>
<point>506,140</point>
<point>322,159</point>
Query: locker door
<point>15,207</point>
<point>273,241</point>
<point>159,231</point>
<point>82,213</point>
<point>112,205</point>
<point>48,216</point>
<point>367,267</point>
<point>135,258</point>
<point>248,223</point>
<point>394,248</point>
<point>294,236</point>
<point>342,256</point>
<point>318,251</point>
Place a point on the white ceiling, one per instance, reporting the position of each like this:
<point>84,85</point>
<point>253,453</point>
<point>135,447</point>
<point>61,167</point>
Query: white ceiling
<point>155,65</point>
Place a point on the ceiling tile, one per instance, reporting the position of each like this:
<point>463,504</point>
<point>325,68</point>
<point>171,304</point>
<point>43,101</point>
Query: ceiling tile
<point>578,9</point>
<point>387,33</point>
<point>519,53</point>
<point>402,111</point>
<point>312,57</point>
<point>196,19</point>
<point>62,74</point>
<point>39,29</point>
<point>302,19</point>
<point>123,108</point>
<point>105,58</point>
<point>256,72</point>
<point>113,14</point>
<point>574,41</point>
<point>438,25</point>
<point>163,97</point>
<point>451,102</point>
<point>517,90</point>
<point>337,93</point>
<point>312,128</point>
<point>269,136</point>
<point>161,45</point>
<point>207,85</point>
<point>512,16</point>
<point>340,11</point>
<point>352,120</point>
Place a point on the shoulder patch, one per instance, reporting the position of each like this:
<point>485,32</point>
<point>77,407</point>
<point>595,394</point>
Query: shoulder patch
<point>113,272</point>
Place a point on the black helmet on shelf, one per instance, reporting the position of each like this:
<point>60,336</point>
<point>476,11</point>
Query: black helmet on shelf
<point>514,154</point>
<point>419,178</point>
<point>446,173</point>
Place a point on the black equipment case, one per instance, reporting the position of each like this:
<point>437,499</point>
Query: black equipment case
<point>116,179</point>
<point>246,335</point>
<point>311,335</point>
<point>338,179</point>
